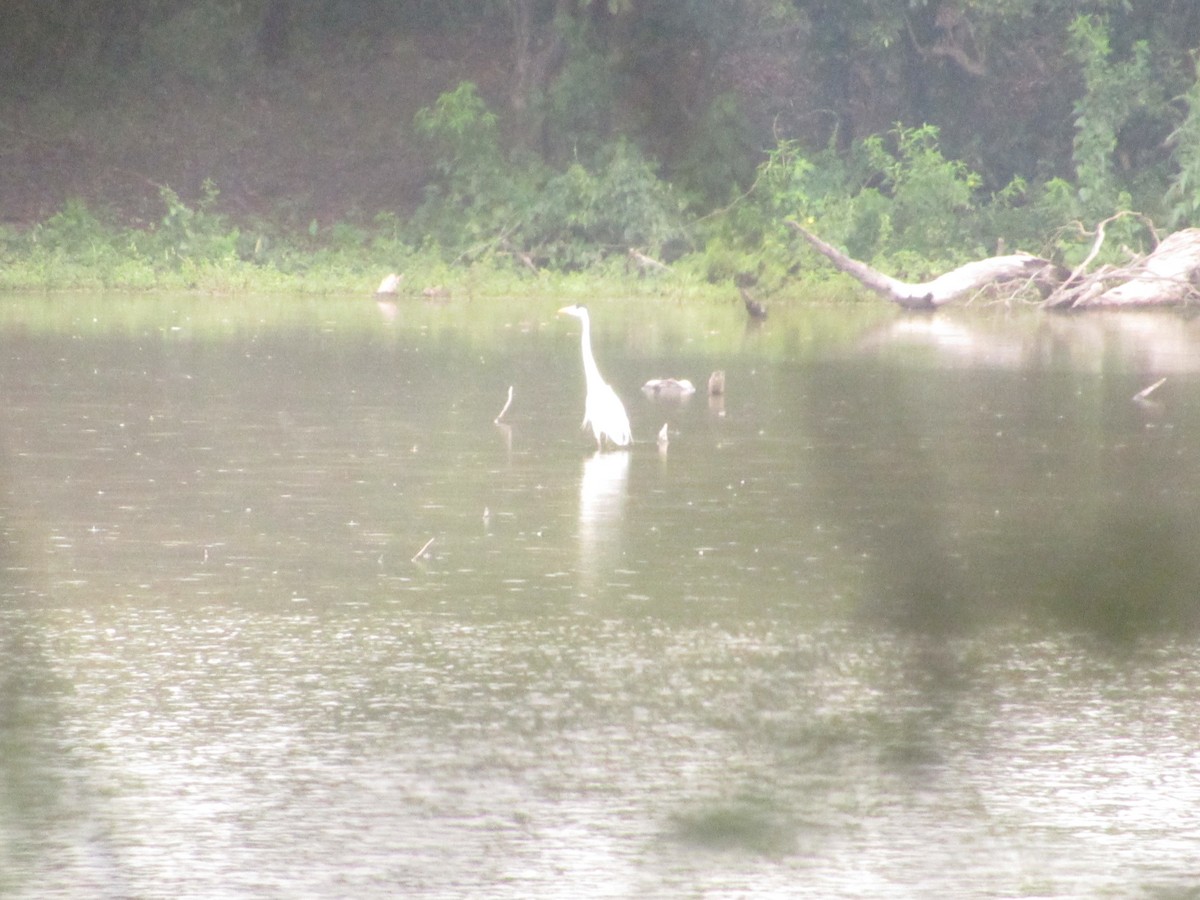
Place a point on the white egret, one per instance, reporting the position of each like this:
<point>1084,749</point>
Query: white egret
<point>602,408</point>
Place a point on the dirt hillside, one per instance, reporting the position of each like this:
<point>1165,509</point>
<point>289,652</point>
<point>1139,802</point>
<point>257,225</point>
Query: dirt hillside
<point>328,138</point>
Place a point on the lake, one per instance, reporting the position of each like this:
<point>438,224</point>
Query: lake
<point>911,610</point>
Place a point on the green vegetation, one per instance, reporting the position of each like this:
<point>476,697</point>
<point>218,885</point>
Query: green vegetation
<point>526,147</point>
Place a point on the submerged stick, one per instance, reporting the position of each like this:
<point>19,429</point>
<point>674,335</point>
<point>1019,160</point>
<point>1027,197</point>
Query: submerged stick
<point>1146,392</point>
<point>421,552</point>
<point>507,404</point>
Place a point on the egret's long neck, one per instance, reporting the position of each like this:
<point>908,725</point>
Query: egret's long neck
<point>591,372</point>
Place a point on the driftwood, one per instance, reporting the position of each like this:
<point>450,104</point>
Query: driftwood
<point>1167,276</point>
<point>644,263</point>
<point>390,285</point>
<point>964,281</point>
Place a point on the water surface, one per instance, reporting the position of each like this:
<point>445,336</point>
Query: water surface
<point>910,612</point>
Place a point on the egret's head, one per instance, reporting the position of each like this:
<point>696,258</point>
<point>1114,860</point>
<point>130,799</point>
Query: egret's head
<point>578,310</point>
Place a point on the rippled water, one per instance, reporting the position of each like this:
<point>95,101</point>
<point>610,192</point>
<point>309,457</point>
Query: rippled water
<point>909,614</point>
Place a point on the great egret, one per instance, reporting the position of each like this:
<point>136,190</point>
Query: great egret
<point>602,408</point>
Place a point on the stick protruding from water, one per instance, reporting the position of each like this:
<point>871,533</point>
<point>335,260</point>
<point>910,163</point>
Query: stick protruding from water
<point>421,552</point>
<point>507,404</point>
<point>1146,392</point>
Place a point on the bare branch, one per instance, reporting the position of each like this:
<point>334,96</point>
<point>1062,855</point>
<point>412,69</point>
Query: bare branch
<point>507,404</point>
<point>421,552</point>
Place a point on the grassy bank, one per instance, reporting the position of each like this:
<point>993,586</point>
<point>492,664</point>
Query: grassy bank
<point>197,249</point>
<point>38,270</point>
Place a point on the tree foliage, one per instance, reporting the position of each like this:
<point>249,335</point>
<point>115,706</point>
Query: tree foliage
<point>569,130</point>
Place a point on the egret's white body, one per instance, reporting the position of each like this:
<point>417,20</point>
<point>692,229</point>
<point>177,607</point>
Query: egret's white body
<point>602,408</point>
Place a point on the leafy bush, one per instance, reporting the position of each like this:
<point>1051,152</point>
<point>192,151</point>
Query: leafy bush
<point>74,230</point>
<point>1117,91</point>
<point>1183,196</point>
<point>567,219</point>
<point>476,190</point>
<point>580,217</point>
<point>893,201</point>
<point>199,233</point>
<point>930,195</point>
<point>717,160</point>
<point>464,133</point>
<point>885,197</point>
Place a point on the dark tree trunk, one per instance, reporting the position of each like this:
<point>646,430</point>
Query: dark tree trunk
<point>538,52</point>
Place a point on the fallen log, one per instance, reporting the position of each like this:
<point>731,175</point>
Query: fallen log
<point>1168,276</point>
<point>644,263</point>
<point>966,280</point>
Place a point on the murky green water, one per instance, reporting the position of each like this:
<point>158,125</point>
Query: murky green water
<point>911,612</point>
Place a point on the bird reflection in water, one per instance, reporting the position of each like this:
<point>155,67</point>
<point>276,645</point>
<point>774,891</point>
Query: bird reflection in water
<point>602,491</point>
